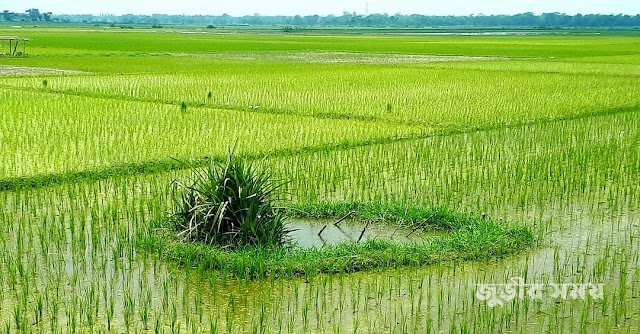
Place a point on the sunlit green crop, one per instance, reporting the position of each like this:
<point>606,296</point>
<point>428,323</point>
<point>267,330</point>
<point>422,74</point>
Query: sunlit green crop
<point>52,133</point>
<point>543,135</point>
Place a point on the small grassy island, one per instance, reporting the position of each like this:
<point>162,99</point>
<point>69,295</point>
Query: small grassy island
<point>227,220</point>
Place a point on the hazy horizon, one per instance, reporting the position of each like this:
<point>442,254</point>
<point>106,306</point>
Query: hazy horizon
<point>327,7</point>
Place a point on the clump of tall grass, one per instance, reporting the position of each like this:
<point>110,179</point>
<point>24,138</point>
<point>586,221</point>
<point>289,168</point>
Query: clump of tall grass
<point>230,205</point>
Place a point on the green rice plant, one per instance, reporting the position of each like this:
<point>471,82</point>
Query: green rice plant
<point>230,205</point>
<point>119,47</point>
<point>457,95</point>
<point>577,180</point>
<point>74,138</point>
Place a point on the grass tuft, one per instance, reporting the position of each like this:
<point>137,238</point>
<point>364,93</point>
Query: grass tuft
<point>230,205</point>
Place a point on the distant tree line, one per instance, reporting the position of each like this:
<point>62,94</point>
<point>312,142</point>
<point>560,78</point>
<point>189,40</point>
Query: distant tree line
<point>547,20</point>
<point>29,15</point>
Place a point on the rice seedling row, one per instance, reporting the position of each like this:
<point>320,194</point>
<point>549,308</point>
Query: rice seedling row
<point>86,239</point>
<point>557,148</point>
<point>43,134</point>
<point>473,96</point>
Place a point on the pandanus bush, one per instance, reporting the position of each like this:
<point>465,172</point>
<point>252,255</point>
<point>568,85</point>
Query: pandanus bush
<point>230,205</point>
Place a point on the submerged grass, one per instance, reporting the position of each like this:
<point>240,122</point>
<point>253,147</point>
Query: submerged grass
<point>470,238</point>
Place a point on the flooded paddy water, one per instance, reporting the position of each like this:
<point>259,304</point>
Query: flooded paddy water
<point>70,259</point>
<point>74,262</point>
<point>309,233</point>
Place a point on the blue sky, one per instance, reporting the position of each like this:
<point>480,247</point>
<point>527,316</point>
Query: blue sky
<point>325,7</point>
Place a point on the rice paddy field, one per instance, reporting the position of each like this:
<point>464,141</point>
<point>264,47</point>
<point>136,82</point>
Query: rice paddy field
<point>541,131</point>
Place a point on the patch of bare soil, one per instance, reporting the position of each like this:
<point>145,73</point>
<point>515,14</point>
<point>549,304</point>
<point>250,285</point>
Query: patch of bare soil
<point>8,70</point>
<point>340,57</point>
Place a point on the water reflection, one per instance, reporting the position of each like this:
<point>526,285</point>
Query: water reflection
<point>310,233</point>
